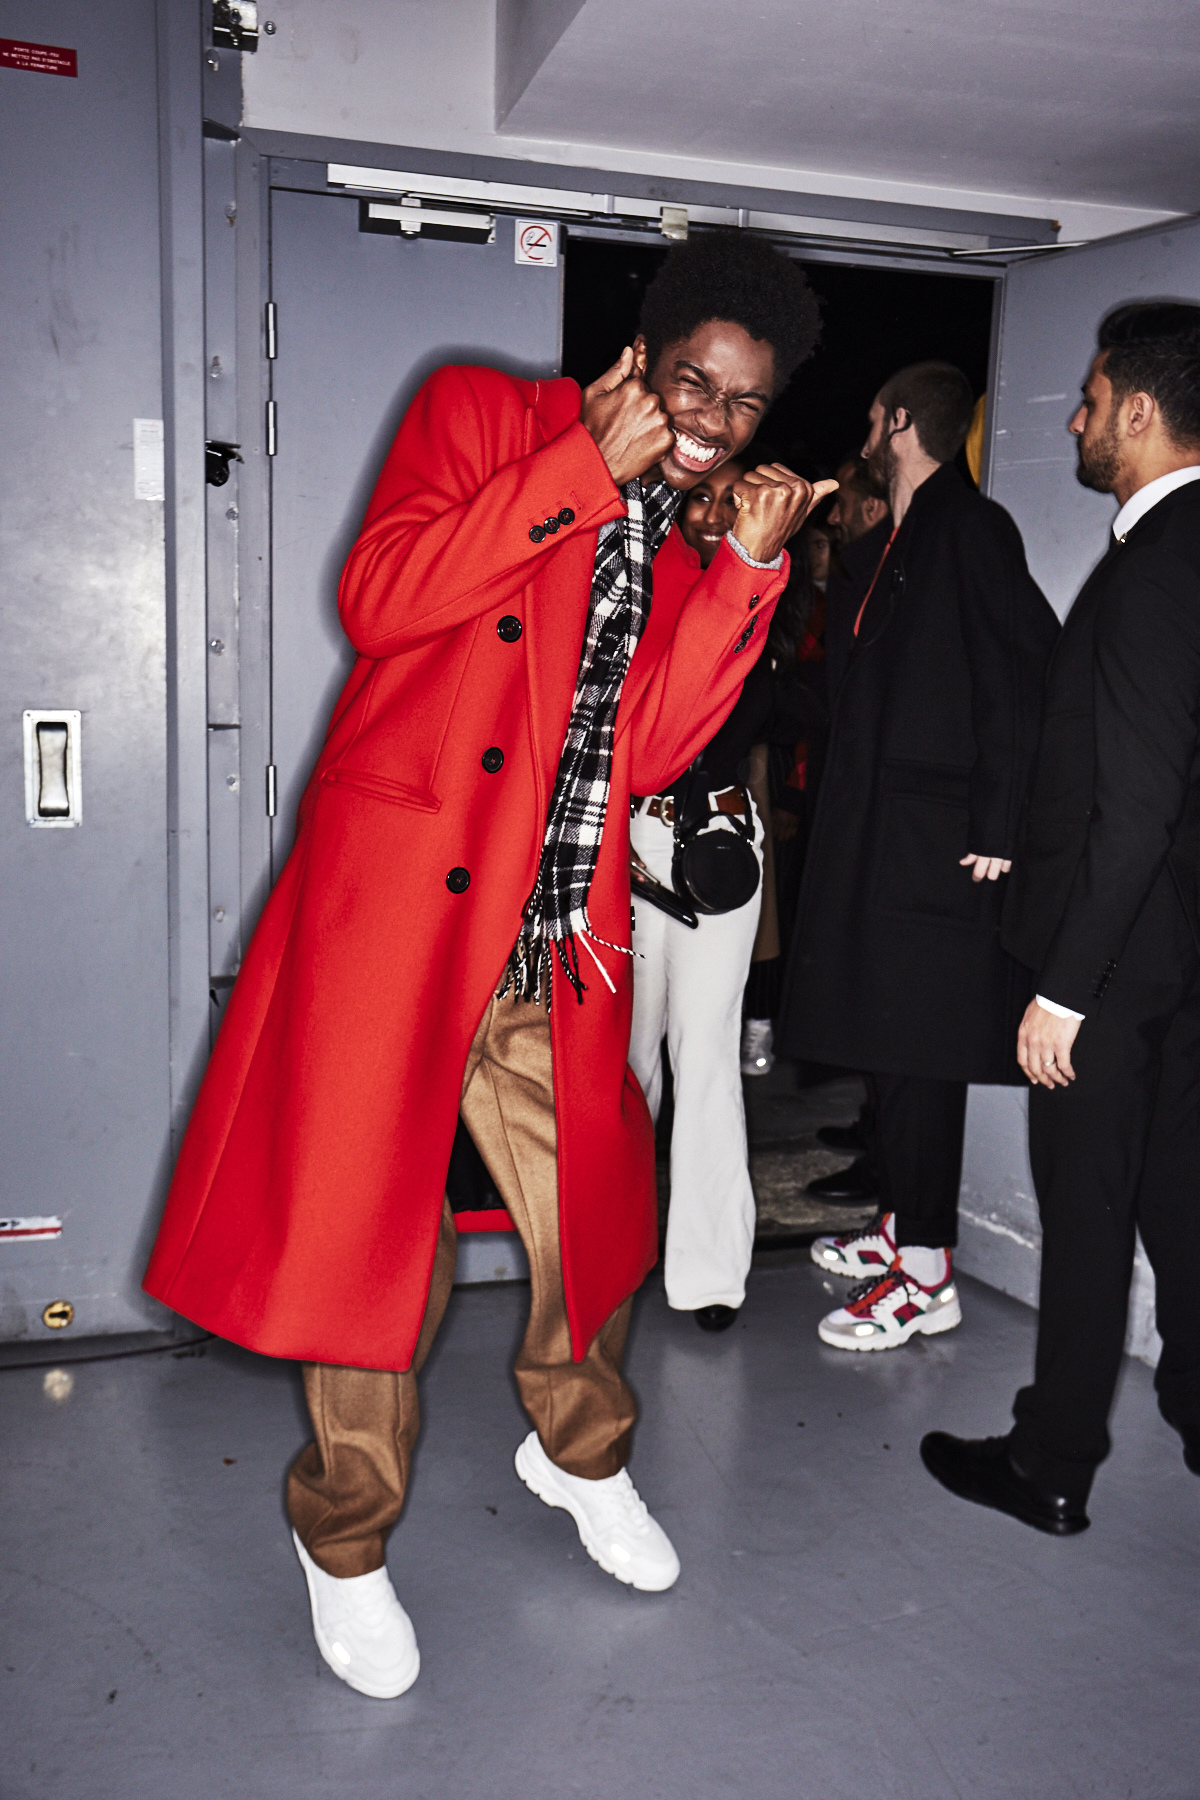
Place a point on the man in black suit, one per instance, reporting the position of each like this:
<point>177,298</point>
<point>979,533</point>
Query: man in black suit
<point>1105,907</point>
<point>936,661</point>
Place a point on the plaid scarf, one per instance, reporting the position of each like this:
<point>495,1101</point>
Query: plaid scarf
<point>555,913</point>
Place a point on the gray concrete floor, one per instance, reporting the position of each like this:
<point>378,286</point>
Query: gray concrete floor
<point>842,1630</point>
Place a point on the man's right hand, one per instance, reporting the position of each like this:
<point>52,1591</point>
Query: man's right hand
<point>627,421</point>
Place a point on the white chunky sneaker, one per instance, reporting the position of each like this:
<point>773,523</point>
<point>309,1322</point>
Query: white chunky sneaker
<point>361,1629</point>
<point>614,1526</point>
<point>885,1311</point>
<point>870,1251</point>
<point>758,1055</point>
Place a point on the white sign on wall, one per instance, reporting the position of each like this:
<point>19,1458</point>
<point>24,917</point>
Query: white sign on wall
<point>148,475</point>
<point>536,243</point>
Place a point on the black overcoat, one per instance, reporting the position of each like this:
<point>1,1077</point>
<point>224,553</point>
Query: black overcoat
<point>1114,807</point>
<point>896,963</point>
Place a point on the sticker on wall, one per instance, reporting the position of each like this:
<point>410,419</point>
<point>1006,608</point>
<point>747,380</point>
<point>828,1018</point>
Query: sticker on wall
<point>148,478</point>
<point>29,1231</point>
<point>536,243</point>
<point>37,59</point>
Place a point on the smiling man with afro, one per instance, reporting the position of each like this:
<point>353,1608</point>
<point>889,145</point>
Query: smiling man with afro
<point>461,864</point>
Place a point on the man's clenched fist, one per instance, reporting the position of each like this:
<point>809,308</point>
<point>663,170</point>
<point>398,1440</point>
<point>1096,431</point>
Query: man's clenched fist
<point>773,504</point>
<point>627,421</point>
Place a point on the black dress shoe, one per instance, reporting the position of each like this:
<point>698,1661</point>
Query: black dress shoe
<point>843,1137</point>
<point>981,1469</point>
<point>854,1186</point>
<point>1191,1442</point>
<point>715,1318</point>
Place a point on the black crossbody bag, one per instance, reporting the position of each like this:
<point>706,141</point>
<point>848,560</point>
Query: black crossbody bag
<point>712,870</point>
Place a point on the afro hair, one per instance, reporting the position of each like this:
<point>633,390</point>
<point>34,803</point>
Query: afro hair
<point>733,275</point>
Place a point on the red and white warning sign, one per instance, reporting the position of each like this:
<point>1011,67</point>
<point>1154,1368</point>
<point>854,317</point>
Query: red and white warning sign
<point>29,1231</point>
<point>39,59</point>
<point>537,243</point>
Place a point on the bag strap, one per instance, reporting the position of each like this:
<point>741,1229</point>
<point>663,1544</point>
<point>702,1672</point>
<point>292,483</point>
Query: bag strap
<point>693,810</point>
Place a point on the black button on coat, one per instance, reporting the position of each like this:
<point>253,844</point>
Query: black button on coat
<point>896,963</point>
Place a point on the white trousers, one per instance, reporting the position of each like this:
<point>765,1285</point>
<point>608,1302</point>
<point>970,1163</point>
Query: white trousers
<point>687,987</point>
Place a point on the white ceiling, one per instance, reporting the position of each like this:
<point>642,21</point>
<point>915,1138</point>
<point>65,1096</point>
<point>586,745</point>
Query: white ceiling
<point>1089,98</point>
<point>1077,109</point>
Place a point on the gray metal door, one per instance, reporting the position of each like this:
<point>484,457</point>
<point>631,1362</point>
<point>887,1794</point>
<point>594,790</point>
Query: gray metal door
<point>1052,306</point>
<point>362,319</point>
<point>84,1012</point>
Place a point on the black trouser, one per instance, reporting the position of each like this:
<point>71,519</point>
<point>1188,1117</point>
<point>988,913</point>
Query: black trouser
<point>1118,1149</point>
<point>918,1151</point>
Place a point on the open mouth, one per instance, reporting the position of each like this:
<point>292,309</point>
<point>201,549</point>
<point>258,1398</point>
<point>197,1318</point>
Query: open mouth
<point>690,454</point>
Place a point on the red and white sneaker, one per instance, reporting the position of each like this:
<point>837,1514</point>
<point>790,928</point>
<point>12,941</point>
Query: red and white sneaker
<point>868,1252</point>
<point>884,1312</point>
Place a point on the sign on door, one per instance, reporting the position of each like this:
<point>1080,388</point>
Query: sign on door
<point>536,243</point>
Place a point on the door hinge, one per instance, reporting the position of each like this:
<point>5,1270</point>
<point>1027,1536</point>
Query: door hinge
<point>271,790</point>
<point>272,433</point>
<point>272,331</point>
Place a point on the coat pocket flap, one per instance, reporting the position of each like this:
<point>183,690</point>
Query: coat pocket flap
<point>380,787</point>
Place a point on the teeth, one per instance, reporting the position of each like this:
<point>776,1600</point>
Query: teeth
<point>694,451</point>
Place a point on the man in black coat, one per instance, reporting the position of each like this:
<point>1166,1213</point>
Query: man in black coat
<point>936,662</point>
<point>1105,907</point>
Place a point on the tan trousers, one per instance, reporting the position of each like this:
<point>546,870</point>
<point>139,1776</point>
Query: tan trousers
<point>345,1489</point>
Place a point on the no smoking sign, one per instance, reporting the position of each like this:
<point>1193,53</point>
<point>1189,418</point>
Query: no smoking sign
<point>536,243</point>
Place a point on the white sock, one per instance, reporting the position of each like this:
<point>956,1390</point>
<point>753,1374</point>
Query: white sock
<point>929,1267</point>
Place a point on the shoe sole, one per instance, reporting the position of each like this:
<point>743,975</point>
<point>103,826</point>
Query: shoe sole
<point>966,1490</point>
<point>343,1674</point>
<point>540,1484</point>
<point>928,1325</point>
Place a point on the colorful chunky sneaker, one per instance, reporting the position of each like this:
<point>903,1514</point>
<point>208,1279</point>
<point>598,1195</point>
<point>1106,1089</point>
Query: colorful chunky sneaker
<point>868,1252</point>
<point>884,1312</point>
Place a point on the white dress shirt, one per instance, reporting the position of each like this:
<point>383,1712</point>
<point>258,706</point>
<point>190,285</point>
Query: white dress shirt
<point>1135,508</point>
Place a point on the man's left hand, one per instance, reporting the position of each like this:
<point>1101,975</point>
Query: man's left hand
<point>987,868</point>
<point>1044,1046</point>
<point>773,504</point>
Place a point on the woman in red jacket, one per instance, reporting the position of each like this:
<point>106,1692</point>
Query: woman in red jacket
<point>451,930</point>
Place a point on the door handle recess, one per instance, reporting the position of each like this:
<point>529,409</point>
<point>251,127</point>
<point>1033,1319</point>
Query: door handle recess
<point>53,768</point>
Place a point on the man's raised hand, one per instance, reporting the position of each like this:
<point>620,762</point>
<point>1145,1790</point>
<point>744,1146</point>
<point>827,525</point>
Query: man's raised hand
<point>773,504</point>
<point>627,421</point>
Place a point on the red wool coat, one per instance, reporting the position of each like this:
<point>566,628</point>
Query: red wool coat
<point>303,1216</point>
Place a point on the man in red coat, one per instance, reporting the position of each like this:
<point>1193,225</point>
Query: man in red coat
<point>452,928</point>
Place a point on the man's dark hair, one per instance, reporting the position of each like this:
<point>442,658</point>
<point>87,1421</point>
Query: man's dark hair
<point>732,275</point>
<point>1153,347</point>
<point>862,477</point>
<point>939,400</point>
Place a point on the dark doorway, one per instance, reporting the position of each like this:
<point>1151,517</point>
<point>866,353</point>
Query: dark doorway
<point>874,322</point>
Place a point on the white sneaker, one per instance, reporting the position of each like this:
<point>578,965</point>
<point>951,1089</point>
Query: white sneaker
<point>758,1056</point>
<point>361,1629</point>
<point>868,1252</point>
<point>883,1313</point>
<point>614,1526</point>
